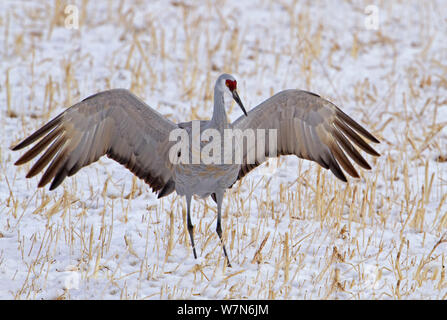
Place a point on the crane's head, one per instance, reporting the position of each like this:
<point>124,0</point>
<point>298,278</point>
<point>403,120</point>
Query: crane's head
<point>227,84</point>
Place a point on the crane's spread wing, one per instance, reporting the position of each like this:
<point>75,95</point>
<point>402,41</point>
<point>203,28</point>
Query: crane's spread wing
<point>115,123</point>
<point>310,127</point>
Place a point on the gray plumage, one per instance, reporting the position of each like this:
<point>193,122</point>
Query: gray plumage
<point>311,128</point>
<point>118,124</point>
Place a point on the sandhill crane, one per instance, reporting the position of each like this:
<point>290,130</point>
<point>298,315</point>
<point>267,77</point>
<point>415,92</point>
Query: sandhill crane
<point>118,124</point>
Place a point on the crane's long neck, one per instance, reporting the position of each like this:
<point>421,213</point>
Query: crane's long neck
<point>219,118</point>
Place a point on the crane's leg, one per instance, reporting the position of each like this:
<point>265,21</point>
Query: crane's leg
<point>219,197</point>
<point>190,226</point>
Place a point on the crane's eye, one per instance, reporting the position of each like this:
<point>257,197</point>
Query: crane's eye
<point>231,84</point>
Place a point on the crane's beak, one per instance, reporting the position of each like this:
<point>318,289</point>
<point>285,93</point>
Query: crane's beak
<point>238,100</point>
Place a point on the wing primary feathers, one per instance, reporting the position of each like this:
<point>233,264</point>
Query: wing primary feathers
<point>58,178</point>
<point>37,148</point>
<point>343,160</point>
<point>55,165</point>
<point>320,132</point>
<point>115,123</point>
<point>39,133</point>
<point>118,124</point>
<point>46,157</point>
<point>356,126</point>
<point>350,150</point>
<point>336,170</point>
<point>355,138</point>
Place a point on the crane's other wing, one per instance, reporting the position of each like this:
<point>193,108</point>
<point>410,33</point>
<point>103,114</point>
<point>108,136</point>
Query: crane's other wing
<point>115,123</point>
<point>311,128</point>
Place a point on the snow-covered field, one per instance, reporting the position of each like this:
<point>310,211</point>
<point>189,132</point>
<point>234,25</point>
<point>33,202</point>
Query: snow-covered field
<point>292,230</point>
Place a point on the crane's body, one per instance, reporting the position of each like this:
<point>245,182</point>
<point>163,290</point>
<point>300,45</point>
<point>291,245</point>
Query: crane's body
<point>118,124</point>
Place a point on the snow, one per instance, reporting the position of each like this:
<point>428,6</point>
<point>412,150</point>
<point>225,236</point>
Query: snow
<point>292,230</point>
